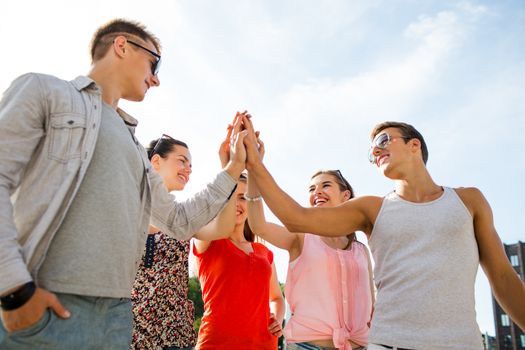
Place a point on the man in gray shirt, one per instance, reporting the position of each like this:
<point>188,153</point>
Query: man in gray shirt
<point>427,241</point>
<point>77,194</point>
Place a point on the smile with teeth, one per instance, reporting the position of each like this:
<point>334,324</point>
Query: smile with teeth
<point>319,200</point>
<point>381,158</point>
<point>183,178</point>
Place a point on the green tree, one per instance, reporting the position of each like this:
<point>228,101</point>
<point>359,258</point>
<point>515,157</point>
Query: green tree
<point>195,294</point>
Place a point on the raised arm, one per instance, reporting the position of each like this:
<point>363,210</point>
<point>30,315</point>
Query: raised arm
<point>223,224</point>
<point>507,287</point>
<point>182,219</point>
<point>353,215</point>
<point>277,235</point>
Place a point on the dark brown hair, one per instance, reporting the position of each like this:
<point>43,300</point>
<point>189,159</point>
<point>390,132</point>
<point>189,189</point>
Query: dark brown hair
<point>343,184</point>
<point>407,131</point>
<point>165,147</point>
<point>105,34</point>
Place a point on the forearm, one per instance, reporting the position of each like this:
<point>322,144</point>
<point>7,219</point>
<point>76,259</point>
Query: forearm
<point>277,307</point>
<point>510,294</point>
<point>220,227</point>
<point>234,169</point>
<point>181,220</point>
<point>282,205</point>
<point>256,217</point>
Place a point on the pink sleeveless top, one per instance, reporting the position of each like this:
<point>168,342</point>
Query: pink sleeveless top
<point>328,291</point>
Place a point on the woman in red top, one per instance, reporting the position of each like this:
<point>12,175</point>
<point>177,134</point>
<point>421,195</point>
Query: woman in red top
<point>243,303</point>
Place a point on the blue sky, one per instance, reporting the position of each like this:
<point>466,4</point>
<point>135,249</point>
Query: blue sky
<point>317,76</point>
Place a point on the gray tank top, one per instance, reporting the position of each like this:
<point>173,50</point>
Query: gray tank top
<point>426,260</point>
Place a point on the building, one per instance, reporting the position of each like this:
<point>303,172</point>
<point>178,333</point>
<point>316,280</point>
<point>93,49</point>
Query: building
<point>508,335</point>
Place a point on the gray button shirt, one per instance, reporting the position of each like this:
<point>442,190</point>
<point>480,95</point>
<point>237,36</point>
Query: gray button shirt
<point>48,132</point>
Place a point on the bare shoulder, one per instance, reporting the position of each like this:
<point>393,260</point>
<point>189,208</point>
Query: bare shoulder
<point>369,207</point>
<point>365,202</point>
<point>468,191</point>
<point>473,199</point>
<point>469,195</point>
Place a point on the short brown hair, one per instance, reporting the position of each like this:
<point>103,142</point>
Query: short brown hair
<point>106,33</point>
<point>407,131</point>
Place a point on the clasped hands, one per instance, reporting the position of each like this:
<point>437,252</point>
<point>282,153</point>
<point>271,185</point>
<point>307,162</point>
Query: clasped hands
<point>242,144</point>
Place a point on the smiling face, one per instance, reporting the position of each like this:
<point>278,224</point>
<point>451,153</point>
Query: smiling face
<point>139,68</point>
<point>395,157</point>
<point>241,207</point>
<point>325,191</point>
<point>175,168</point>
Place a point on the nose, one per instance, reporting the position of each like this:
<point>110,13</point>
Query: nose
<point>376,151</point>
<point>154,80</point>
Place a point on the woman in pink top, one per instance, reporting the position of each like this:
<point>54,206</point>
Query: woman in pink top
<point>329,284</point>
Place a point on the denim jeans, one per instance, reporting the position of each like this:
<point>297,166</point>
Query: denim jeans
<point>95,323</point>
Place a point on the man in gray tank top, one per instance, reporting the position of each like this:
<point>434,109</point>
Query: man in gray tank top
<point>77,193</point>
<point>427,241</point>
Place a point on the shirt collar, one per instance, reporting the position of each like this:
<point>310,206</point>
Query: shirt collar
<point>82,82</point>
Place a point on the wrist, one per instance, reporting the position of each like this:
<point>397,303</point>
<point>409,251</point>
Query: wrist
<point>252,198</point>
<point>234,169</point>
<point>18,298</point>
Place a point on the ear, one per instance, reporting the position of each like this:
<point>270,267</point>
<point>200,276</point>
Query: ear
<point>346,195</point>
<point>119,45</point>
<point>415,145</point>
<point>155,162</point>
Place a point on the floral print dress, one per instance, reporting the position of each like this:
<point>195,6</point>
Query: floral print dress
<point>162,313</point>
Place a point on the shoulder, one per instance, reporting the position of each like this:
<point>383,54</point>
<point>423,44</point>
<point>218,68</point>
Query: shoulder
<point>261,247</point>
<point>41,79</point>
<point>263,250</point>
<point>469,194</point>
<point>472,198</point>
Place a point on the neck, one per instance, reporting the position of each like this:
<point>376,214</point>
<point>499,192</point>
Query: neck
<point>419,187</point>
<point>237,234</point>
<point>107,80</point>
<point>152,229</point>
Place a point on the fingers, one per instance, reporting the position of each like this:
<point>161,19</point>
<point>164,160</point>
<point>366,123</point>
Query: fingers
<point>32,311</point>
<point>275,327</point>
<point>57,307</point>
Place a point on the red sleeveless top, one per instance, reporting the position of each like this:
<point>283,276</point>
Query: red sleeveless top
<point>235,291</point>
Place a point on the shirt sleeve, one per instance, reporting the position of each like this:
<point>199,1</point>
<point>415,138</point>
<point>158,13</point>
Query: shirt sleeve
<point>181,220</point>
<point>22,127</point>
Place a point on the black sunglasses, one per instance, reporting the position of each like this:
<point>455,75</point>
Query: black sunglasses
<point>346,183</point>
<point>154,66</point>
<point>162,138</point>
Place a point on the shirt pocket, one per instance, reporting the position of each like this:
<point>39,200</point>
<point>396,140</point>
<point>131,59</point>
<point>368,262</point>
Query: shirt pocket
<point>66,133</point>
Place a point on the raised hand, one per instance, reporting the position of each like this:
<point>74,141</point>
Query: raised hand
<point>254,145</point>
<point>224,149</point>
<point>236,152</point>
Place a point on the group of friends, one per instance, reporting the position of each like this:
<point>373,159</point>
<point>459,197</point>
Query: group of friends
<point>94,247</point>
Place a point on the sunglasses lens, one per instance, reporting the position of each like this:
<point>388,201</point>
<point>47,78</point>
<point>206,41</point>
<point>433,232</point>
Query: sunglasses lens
<point>155,68</point>
<point>382,141</point>
<point>371,157</point>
